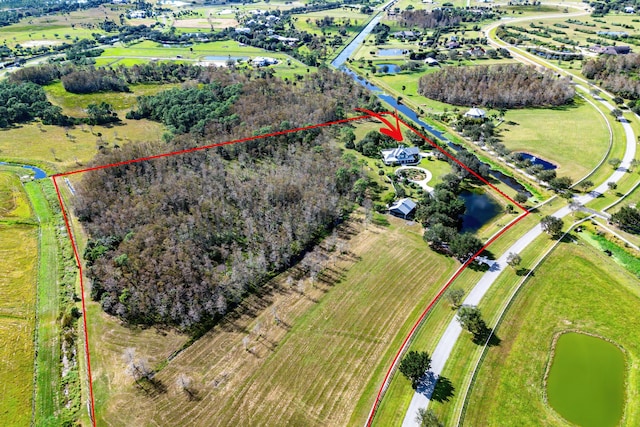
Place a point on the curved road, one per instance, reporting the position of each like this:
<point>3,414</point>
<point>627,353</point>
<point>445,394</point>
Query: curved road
<point>454,330</point>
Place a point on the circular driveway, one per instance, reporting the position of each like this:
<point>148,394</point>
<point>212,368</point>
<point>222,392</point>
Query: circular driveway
<point>423,182</point>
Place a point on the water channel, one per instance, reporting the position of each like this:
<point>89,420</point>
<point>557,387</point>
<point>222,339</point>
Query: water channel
<point>38,173</point>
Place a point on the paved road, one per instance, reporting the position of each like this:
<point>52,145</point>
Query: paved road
<point>453,331</point>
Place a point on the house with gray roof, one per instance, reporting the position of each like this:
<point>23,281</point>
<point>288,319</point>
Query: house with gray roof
<point>401,155</point>
<point>403,208</point>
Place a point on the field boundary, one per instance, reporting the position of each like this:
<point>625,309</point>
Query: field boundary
<point>388,375</point>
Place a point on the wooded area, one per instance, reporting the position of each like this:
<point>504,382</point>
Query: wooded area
<point>179,240</point>
<point>496,86</point>
<point>616,73</point>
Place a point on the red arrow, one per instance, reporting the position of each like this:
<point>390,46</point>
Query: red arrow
<point>391,130</point>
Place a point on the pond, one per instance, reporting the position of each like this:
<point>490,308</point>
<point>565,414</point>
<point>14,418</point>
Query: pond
<point>481,208</point>
<point>391,52</point>
<point>538,161</point>
<point>388,68</point>
<point>586,380</point>
<point>38,173</point>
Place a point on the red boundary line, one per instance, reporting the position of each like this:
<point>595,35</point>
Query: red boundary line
<point>448,283</point>
<point>252,138</point>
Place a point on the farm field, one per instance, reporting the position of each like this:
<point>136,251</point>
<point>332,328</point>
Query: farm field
<point>586,380</point>
<point>575,289</point>
<point>18,262</point>
<point>331,335</point>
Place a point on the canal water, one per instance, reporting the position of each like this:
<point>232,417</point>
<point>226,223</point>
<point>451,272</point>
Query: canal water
<point>38,173</point>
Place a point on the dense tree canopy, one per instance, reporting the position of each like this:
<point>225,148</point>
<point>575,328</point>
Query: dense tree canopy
<point>414,365</point>
<point>20,103</point>
<point>178,240</point>
<point>628,219</point>
<point>617,73</point>
<point>496,86</point>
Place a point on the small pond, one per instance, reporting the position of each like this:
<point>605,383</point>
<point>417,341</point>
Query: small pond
<point>481,209</point>
<point>388,68</point>
<point>391,52</point>
<point>538,161</point>
<point>586,380</point>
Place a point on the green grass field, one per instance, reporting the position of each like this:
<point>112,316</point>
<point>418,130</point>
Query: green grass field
<point>575,289</point>
<point>544,133</point>
<point>18,263</point>
<point>586,380</point>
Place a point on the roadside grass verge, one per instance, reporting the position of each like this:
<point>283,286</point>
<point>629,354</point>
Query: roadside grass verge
<point>576,288</point>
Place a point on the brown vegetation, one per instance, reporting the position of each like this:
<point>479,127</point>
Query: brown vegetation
<point>178,240</point>
<point>496,86</point>
<point>617,73</point>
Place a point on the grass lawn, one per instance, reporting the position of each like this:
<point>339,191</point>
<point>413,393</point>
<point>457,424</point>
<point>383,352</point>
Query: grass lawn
<point>576,289</point>
<point>308,370</point>
<point>586,380</point>
<point>575,152</point>
<point>18,263</point>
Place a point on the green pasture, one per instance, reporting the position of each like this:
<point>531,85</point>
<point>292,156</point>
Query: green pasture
<point>57,28</point>
<point>586,380</point>
<point>13,203</point>
<point>575,138</point>
<point>576,289</point>
<point>18,263</point>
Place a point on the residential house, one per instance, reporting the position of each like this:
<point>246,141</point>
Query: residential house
<point>476,113</point>
<point>403,208</point>
<point>432,62</point>
<point>401,155</point>
<point>610,50</point>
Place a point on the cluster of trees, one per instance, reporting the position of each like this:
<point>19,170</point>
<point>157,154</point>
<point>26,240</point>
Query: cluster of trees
<point>496,86</point>
<point>23,102</point>
<point>439,18</point>
<point>179,240</point>
<point>616,73</point>
<point>628,219</point>
<point>92,81</point>
<point>183,110</point>
<point>152,72</point>
<point>372,143</point>
<point>441,213</point>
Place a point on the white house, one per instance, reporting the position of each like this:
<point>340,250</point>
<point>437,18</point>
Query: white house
<point>262,61</point>
<point>431,62</point>
<point>402,208</point>
<point>401,155</point>
<point>476,113</point>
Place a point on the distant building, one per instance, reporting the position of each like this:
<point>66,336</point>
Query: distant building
<point>613,33</point>
<point>261,61</point>
<point>610,50</point>
<point>406,35</point>
<point>401,155</point>
<point>137,14</point>
<point>476,51</point>
<point>453,44</point>
<point>432,62</point>
<point>629,9</point>
<point>243,30</point>
<point>403,208</point>
<point>476,113</point>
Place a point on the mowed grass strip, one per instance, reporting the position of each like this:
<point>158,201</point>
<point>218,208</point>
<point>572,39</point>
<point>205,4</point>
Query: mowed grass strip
<point>576,288</point>
<point>18,259</point>
<point>309,369</point>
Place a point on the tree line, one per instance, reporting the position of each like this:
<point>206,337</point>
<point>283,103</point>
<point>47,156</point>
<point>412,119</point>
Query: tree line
<point>21,103</point>
<point>179,240</point>
<point>616,73</point>
<point>442,18</point>
<point>497,86</point>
